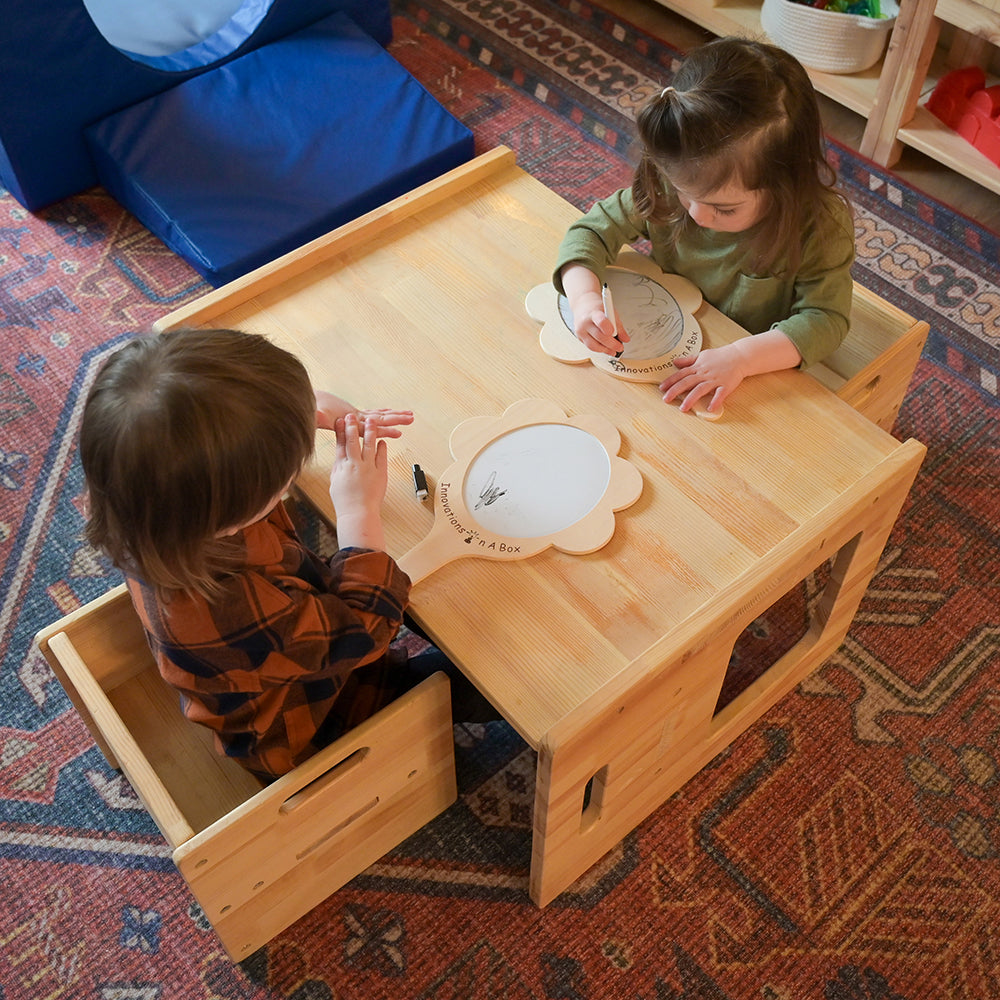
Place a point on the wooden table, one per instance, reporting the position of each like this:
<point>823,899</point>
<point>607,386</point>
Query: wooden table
<point>608,664</point>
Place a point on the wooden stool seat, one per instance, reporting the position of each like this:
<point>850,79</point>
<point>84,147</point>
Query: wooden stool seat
<point>256,858</point>
<point>873,367</point>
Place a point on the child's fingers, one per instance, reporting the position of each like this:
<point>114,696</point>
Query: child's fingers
<point>388,422</point>
<point>695,394</point>
<point>604,333</point>
<point>386,417</point>
<point>681,374</point>
<point>617,328</point>
<point>689,392</point>
<point>341,449</point>
<point>352,445</point>
<point>718,398</point>
<point>371,435</point>
<point>593,338</point>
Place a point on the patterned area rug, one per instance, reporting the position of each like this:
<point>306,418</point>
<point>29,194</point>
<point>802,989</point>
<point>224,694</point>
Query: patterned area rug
<point>845,848</point>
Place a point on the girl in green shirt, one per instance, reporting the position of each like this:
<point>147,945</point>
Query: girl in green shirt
<point>733,192</point>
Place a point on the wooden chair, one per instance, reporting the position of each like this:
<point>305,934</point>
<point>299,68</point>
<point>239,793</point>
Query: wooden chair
<point>872,368</point>
<point>256,858</point>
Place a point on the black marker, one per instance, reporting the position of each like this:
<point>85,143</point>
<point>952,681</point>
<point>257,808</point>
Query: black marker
<point>419,483</point>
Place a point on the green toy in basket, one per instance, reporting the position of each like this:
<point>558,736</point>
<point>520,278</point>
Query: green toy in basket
<point>834,36</point>
<point>864,8</point>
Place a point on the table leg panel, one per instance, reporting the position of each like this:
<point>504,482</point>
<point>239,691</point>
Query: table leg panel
<point>642,742</point>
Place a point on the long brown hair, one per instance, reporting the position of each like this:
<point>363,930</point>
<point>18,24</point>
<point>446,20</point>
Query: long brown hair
<point>738,110</point>
<point>185,435</point>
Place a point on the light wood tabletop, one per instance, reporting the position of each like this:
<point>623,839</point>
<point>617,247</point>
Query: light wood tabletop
<point>420,305</point>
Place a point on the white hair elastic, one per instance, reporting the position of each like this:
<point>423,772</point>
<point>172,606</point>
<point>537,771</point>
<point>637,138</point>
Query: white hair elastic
<point>666,90</point>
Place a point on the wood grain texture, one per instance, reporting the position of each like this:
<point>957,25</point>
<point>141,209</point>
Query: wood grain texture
<point>428,313</point>
<point>255,858</point>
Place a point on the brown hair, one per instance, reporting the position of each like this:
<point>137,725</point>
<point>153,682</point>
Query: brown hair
<point>738,110</point>
<point>187,434</point>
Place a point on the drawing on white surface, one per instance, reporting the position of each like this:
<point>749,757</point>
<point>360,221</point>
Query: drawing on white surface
<point>536,480</point>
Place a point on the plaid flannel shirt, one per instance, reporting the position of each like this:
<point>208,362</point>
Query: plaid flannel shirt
<point>294,653</point>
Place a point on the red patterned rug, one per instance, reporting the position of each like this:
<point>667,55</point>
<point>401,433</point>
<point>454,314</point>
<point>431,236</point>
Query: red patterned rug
<point>845,848</point>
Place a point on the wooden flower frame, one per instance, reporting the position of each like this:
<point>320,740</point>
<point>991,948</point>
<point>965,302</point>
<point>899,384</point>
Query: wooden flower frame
<point>656,308</point>
<point>522,482</point>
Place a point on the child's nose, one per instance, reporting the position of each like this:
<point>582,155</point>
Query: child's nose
<point>702,214</point>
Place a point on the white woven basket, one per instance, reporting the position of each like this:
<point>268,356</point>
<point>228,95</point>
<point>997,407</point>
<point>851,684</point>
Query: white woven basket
<point>826,40</point>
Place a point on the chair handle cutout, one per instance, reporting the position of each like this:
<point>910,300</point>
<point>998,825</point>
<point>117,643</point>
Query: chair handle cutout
<point>331,833</point>
<point>319,785</point>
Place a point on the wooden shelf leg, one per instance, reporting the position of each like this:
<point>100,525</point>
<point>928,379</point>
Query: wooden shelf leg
<point>907,60</point>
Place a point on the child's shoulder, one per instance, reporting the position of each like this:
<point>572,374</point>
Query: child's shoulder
<point>836,205</point>
<point>828,238</point>
<point>833,219</point>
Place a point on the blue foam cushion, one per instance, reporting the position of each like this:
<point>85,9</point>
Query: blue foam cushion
<point>55,82</point>
<point>248,161</point>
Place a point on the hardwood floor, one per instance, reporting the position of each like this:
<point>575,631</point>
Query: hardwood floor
<point>845,126</point>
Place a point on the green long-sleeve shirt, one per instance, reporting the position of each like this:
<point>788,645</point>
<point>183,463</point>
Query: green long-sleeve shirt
<point>810,306</point>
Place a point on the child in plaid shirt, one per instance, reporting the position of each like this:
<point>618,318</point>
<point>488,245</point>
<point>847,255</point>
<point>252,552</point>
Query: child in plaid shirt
<point>189,440</point>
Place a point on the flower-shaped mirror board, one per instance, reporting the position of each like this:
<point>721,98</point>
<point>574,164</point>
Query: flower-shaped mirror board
<point>656,309</point>
<point>522,482</point>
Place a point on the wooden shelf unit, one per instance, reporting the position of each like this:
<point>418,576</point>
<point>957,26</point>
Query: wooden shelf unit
<point>891,93</point>
<point>913,66</point>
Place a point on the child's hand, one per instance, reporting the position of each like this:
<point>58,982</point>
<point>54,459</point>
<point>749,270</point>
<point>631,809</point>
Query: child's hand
<point>719,370</point>
<point>358,483</point>
<point>715,372</point>
<point>386,422</point>
<point>592,326</point>
<point>330,408</point>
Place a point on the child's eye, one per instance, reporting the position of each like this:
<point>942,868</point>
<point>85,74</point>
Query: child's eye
<point>726,211</point>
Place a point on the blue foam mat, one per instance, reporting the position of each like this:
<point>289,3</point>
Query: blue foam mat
<point>58,74</point>
<point>250,160</point>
